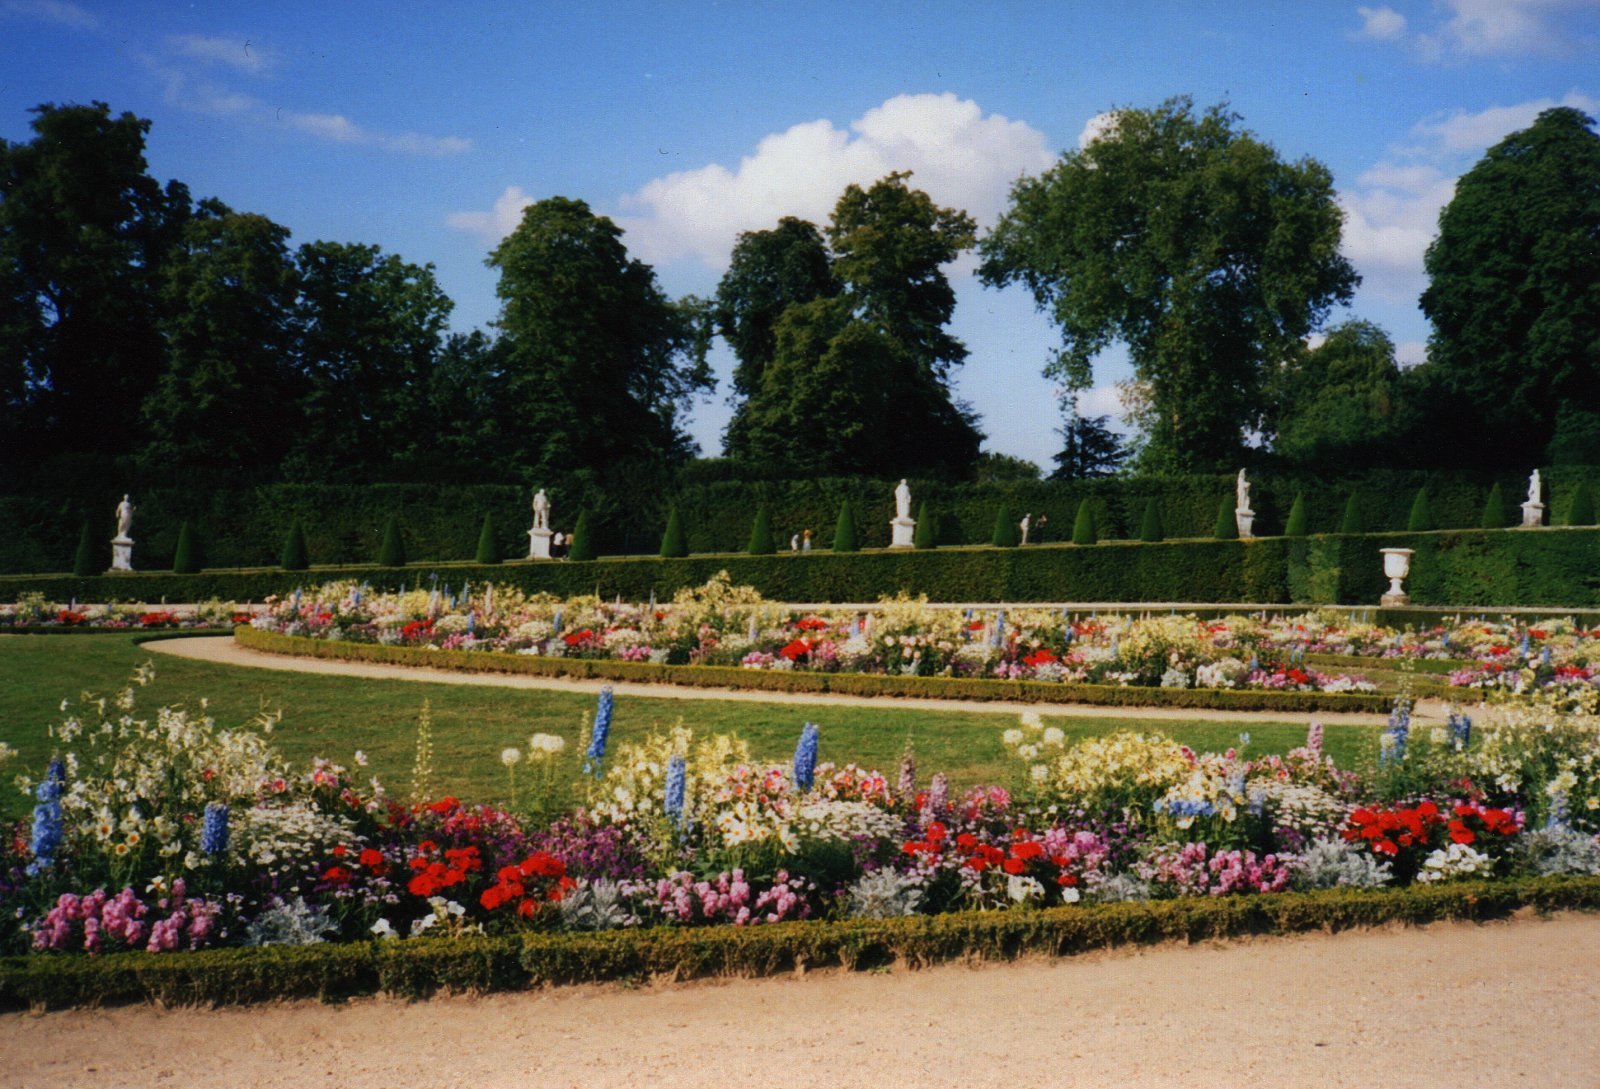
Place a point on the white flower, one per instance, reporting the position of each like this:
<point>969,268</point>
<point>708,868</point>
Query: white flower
<point>1054,736</point>
<point>383,929</point>
<point>1011,738</point>
<point>511,756</point>
<point>547,744</point>
<point>1069,895</point>
<point>1039,773</point>
<point>1031,720</point>
<point>361,759</point>
<point>1020,888</point>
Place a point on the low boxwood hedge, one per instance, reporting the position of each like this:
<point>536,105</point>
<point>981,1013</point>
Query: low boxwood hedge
<point>421,967</point>
<point>852,684</point>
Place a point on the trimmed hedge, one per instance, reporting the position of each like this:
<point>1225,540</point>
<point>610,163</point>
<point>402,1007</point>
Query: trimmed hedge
<point>1557,567</point>
<point>852,684</point>
<point>421,967</point>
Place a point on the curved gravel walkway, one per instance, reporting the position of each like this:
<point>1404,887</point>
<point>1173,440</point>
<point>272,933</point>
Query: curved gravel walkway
<point>223,650</point>
<point>1505,1003</point>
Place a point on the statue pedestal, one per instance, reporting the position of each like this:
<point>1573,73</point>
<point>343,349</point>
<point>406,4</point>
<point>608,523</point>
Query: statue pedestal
<point>539,544</point>
<point>901,533</point>
<point>1245,520</point>
<point>1532,515</point>
<point>122,553</point>
<point>1392,601</point>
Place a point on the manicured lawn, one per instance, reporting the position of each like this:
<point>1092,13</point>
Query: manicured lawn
<point>335,716</point>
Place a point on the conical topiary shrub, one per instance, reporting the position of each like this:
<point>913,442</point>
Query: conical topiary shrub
<point>845,538</point>
<point>1150,528</point>
<point>1083,532</point>
<point>1296,525</point>
<point>582,547</point>
<point>1421,519</point>
<point>1006,534</point>
<point>926,535</point>
<point>761,543</point>
<point>83,559</point>
<point>1227,527</point>
<point>186,559</point>
<point>674,544</point>
<point>1581,513</point>
<point>1352,515</point>
<point>392,553</point>
<point>488,551</point>
<point>294,556</point>
<point>1494,509</point>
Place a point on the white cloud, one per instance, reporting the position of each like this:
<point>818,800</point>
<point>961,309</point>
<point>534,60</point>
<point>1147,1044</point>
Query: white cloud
<point>1482,28</point>
<point>1408,353</point>
<point>1392,211</point>
<point>498,221</point>
<point>238,53</point>
<point>341,130</point>
<point>1101,124</point>
<point>54,11</point>
<point>957,154</point>
<point>1381,24</point>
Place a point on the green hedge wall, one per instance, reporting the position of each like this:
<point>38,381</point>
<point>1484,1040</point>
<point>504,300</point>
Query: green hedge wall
<point>1515,567</point>
<point>420,967</point>
<point>246,527</point>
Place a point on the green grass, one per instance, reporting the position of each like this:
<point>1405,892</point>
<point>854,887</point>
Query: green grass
<point>335,716</point>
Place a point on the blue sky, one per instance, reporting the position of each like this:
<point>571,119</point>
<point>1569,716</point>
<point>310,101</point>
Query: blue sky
<point>424,128</point>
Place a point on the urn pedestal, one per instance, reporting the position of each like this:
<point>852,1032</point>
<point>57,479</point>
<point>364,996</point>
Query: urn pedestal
<point>1245,521</point>
<point>1532,515</point>
<point>539,544</point>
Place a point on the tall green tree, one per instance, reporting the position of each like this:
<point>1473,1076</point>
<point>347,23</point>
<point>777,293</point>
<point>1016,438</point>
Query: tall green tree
<point>1514,294</point>
<point>1189,240</point>
<point>768,272</point>
<point>85,233</point>
<point>371,327</point>
<point>1089,446</point>
<point>228,397</point>
<point>598,362</point>
<point>844,358</point>
<point>1340,403</point>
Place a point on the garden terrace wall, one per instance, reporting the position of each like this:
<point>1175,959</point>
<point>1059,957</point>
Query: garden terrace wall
<point>344,523</point>
<point>854,684</point>
<point>1558,568</point>
<point>421,967</point>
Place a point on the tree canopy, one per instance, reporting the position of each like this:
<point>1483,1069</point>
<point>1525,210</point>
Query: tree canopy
<point>844,358</point>
<point>1514,296</point>
<point>1192,242</point>
<point>598,362</point>
<point>1341,402</point>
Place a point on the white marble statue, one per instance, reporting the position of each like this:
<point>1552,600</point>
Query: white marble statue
<point>125,511</point>
<point>1241,494</point>
<point>1025,525</point>
<point>1533,488</point>
<point>902,530</point>
<point>541,510</point>
<point>902,501</point>
<point>1533,509</point>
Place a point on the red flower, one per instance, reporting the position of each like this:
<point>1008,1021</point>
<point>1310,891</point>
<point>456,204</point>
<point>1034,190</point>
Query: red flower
<point>797,649</point>
<point>336,874</point>
<point>572,639</point>
<point>1040,657</point>
<point>936,832</point>
<point>1014,865</point>
<point>1026,852</point>
<point>812,623</point>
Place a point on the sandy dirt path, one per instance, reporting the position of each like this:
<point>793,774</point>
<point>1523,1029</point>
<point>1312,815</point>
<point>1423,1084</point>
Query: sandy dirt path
<point>1507,1003</point>
<point>224,651</point>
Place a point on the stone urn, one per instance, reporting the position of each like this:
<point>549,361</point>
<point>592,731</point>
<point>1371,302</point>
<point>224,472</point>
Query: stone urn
<point>1396,566</point>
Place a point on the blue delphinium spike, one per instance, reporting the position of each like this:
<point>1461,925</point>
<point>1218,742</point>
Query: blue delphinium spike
<point>805,756</point>
<point>472,621</point>
<point>555,625</point>
<point>47,822</point>
<point>1525,646</point>
<point>1461,729</point>
<point>355,596</point>
<point>753,631</point>
<point>214,830</point>
<point>677,780</point>
<point>594,757</point>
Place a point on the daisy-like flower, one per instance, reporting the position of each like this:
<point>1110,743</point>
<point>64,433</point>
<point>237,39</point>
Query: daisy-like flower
<point>511,756</point>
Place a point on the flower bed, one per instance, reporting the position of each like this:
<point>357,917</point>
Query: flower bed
<point>720,625</point>
<point>157,835</point>
<point>33,614</point>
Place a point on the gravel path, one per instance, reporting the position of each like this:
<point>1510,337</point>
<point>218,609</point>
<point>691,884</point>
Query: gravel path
<point>223,650</point>
<point>1507,1003</point>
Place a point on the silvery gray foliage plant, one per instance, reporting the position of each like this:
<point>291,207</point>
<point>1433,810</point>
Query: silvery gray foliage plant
<point>290,922</point>
<point>1119,888</point>
<point>595,905</point>
<point>1334,863</point>
<point>883,894</point>
<point>1558,850</point>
